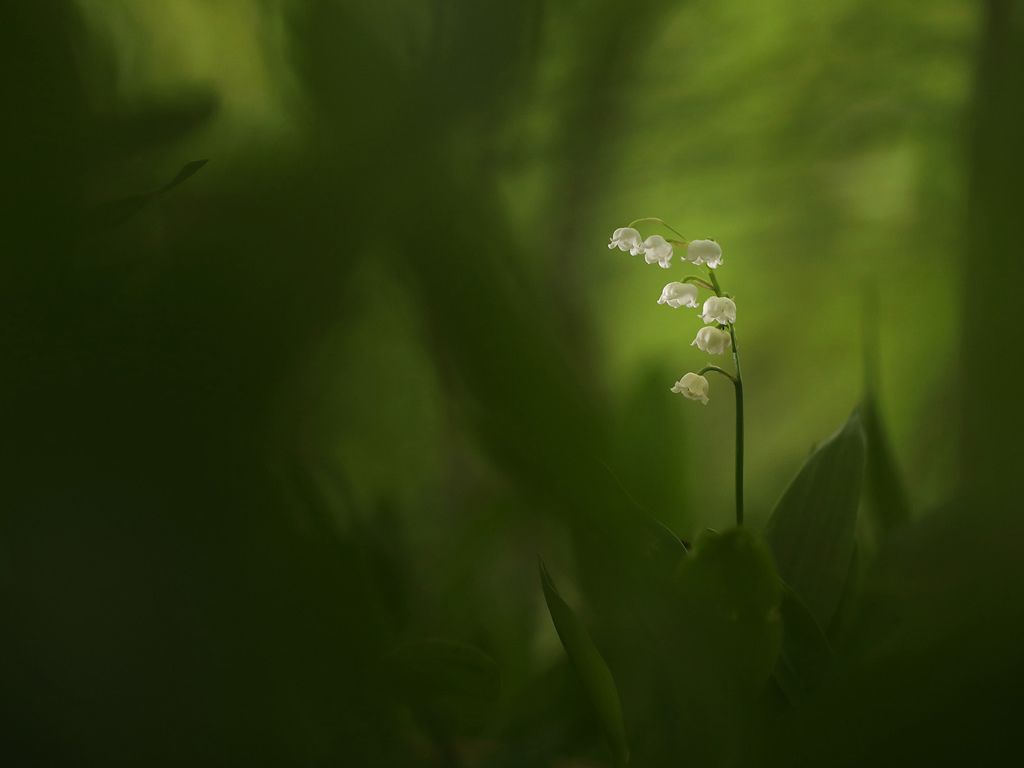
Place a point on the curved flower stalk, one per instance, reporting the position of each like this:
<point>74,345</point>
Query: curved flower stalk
<point>717,337</point>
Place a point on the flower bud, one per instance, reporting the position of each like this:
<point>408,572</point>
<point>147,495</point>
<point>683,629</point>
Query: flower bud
<point>712,340</point>
<point>704,252</point>
<point>719,309</point>
<point>692,386</point>
<point>657,250</point>
<point>626,239</point>
<point>679,295</point>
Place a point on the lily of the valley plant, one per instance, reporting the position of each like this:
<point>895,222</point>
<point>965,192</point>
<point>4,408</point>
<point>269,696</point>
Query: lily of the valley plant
<point>717,337</point>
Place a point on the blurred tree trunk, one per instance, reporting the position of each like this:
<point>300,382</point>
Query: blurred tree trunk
<point>992,458</point>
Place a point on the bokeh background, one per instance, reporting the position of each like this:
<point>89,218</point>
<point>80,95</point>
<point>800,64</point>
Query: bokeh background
<point>335,389</point>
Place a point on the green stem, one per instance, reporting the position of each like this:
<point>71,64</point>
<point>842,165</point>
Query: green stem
<point>657,221</point>
<point>714,282</point>
<point>739,427</point>
<point>737,381</point>
<point>698,281</point>
<point>716,369</point>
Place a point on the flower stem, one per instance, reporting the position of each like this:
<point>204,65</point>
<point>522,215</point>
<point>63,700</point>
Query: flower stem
<point>657,221</point>
<point>716,369</point>
<point>737,381</point>
<point>698,281</point>
<point>739,427</point>
<point>714,282</point>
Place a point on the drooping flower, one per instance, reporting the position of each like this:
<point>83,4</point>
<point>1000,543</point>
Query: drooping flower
<point>719,309</point>
<point>679,295</point>
<point>657,250</point>
<point>712,340</point>
<point>626,239</point>
<point>704,252</point>
<point>692,386</point>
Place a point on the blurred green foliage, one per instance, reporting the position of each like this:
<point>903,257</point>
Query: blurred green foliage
<point>284,432</point>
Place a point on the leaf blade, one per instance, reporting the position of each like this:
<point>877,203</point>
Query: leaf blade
<point>437,668</point>
<point>805,653</point>
<point>886,494</point>
<point>590,666</point>
<point>813,527</point>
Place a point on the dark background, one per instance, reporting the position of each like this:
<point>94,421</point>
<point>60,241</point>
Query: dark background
<point>335,390</point>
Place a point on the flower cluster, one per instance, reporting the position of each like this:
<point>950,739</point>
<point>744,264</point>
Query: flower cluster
<point>718,311</point>
<point>657,250</point>
<point>715,338</point>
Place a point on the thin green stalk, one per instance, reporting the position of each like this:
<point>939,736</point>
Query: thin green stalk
<point>714,282</point>
<point>739,427</point>
<point>737,381</point>
<point>698,281</point>
<point>657,221</point>
<point>716,369</point>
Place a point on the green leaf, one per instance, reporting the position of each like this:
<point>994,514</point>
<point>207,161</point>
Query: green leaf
<point>187,170</point>
<point>812,530</point>
<point>116,212</point>
<point>438,668</point>
<point>888,504</point>
<point>729,617</point>
<point>590,666</point>
<point>153,122</point>
<point>806,652</point>
<point>450,688</point>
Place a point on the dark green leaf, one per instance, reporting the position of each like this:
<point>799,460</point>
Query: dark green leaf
<point>590,666</point>
<point>812,529</point>
<point>118,211</point>
<point>187,170</point>
<point>439,668</point>
<point>729,615</point>
<point>805,649</point>
<point>157,121</point>
<point>886,497</point>
<point>887,500</point>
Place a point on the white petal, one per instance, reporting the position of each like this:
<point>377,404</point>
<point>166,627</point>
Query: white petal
<point>625,239</point>
<point>692,386</point>
<point>712,340</point>
<point>704,252</point>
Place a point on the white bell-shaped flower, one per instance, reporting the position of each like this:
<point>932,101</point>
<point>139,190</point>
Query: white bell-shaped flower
<point>679,295</point>
<point>719,309</point>
<point>704,252</point>
<point>712,340</point>
<point>692,386</point>
<point>657,250</point>
<point>626,239</point>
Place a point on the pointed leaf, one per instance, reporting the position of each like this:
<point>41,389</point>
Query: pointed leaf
<point>729,615</point>
<point>189,169</point>
<point>812,529</point>
<point>887,504</point>
<point>116,212</point>
<point>806,652</point>
<point>885,493</point>
<point>590,666</point>
<point>438,668</point>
